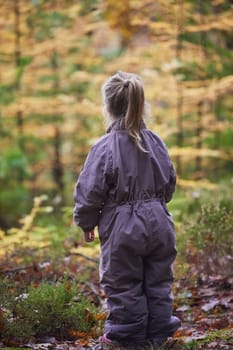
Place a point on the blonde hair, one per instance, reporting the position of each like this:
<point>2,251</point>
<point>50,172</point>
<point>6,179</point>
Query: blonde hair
<point>123,96</point>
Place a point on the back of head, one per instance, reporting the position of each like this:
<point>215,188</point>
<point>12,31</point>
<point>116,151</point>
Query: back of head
<point>123,96</point>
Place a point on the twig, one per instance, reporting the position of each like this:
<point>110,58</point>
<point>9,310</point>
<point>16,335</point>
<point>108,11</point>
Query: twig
<point>92,287</point>
<point>170,346</point>
<point>95,291</point>
<point>16,269</point>
<point>86,257</point>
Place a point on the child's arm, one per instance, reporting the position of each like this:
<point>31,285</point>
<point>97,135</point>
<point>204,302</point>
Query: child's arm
<point>170,188</point>
<point>91,190</point>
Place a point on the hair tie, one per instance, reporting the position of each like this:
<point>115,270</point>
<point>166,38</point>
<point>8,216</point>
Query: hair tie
<point>126,83</point>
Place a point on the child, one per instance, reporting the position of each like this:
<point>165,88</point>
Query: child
<point>123,188</point>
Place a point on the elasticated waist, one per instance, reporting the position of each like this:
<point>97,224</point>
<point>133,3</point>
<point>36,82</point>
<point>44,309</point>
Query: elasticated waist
<point>135,201</point>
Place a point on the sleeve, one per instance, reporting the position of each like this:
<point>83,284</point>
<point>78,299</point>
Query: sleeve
<point>170,187</point>
<point>91,189</point>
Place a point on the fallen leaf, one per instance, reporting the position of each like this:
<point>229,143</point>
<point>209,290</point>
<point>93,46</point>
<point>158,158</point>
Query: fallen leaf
<point>209,306</point>
<point>100,316</point>
<point>183,308</point>
<point>207,292</point>
<point>219,323</point>
<point>194,337</point>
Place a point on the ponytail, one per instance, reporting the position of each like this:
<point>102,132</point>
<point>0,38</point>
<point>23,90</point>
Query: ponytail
<point>133,117</point>
<point>124,100</point>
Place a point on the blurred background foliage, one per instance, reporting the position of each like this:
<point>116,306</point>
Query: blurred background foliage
<point>54,57</point>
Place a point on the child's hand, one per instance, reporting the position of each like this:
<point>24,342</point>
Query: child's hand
<point>89,236</point>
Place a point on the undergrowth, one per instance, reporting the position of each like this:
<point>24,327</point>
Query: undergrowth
<point>49,309</point>
<point>222,335</point>
<point>204,223</point>
<point>204,230</point>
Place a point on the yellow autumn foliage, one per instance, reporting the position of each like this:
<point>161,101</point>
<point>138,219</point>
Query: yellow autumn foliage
<point>64,67</point>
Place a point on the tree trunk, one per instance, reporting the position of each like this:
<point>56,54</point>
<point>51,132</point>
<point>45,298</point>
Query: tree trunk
<point>58,171</point>
<point>179,104</point>
<point>57,163</point>
<point>199,131</point>
<point>199,127</point>
<point>17,32</point>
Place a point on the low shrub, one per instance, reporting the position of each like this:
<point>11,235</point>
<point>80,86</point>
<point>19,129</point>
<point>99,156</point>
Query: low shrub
<point>210,237</point>
<point>50,309</point>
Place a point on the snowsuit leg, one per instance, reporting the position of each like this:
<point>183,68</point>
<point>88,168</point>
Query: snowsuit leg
<point>127,305</point>
<point>158,276</point>
<point>160,302</point>
<point>122,277</point>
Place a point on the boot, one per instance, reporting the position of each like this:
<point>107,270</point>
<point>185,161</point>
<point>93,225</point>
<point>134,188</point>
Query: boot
<point>164,344</point>
<point>147,345</point>
<point>172,327</point>
<point>160,341</point>
<point>107,344</point>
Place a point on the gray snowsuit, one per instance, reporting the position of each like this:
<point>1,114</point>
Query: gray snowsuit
<point>124,191</point>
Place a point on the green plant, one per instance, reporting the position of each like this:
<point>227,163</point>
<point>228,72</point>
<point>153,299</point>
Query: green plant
<point>210,236</point>
<point>213,228</point>
<point>212,336</point>
<point>5,292</point>
<point>51,309</point>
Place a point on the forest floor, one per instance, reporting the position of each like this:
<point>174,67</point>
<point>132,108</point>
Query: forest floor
<point>203,303</point>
